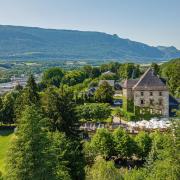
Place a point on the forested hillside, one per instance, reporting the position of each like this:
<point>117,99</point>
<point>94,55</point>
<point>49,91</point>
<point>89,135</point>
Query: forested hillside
<point>37,43</point>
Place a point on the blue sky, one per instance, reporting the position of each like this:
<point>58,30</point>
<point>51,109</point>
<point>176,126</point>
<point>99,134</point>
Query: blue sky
<point>155,22</point>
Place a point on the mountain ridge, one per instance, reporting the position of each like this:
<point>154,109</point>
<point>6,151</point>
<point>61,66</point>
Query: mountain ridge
<point>21,42</point>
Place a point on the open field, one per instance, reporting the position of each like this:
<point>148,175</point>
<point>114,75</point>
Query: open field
<point>5,137</point>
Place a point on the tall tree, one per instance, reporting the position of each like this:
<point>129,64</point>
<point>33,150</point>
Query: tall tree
<point>155,67</point>
<point>28,96</point>
<point>26,157</point>
<point>102,143</point>
<point>60,108</point>
<point>104,93</point>
<point>53,76</point>
<point>143,141</point>
<point>8,107</point>
<point>171,72</point>
<point>123,143</point>
<point>129,70</point>
<point>31,91</point>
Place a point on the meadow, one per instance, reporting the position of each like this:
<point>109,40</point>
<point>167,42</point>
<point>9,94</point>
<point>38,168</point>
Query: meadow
<point>5,138</point>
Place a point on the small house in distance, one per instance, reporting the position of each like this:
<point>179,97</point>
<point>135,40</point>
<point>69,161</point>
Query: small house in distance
<point>149,93</point>
<point>110,82</point>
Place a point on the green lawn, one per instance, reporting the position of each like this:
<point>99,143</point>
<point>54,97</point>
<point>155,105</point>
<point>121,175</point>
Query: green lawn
<point>5,137</point>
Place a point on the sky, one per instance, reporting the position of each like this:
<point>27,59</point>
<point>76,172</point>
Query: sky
<point>154,22</point>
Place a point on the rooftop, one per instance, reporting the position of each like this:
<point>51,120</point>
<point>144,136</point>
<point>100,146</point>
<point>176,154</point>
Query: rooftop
<point>150,81</point>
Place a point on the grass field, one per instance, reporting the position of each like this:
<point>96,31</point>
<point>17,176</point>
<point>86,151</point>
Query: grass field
<point>5,137</point>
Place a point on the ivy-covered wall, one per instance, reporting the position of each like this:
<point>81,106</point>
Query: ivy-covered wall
<point>144,113</point>
<point>128,105</point>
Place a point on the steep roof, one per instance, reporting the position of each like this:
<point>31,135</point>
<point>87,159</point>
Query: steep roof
<point>129,83</point>
<point>150,81</point>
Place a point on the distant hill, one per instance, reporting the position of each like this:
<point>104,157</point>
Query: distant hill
<point>50,44</point>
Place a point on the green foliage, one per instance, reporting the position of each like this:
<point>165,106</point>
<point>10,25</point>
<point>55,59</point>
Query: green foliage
<point>7,108</point>
<point>155,67</point>
<point>27,97</point>
<point>27,157</point>
<point>112,66</point>
<point>136,174</point>
<point>5,140</point>
<point>102,143</point>
<point>143,142</point>
<point>74,77</point>
<point>171,72</point>
<point>91,72</point>
<point>59,107</point>
<point>37,154</point>
<point>110,76</point>
<point>123,143</point>
<point>104,93</point>
<point>31,95</point>
<point>103,170</point>
<point>94,111</point>
<point>95,72</point>
<point>47,44</point>
<point>66,158</point>
<point>128,105</point>
<point>53,76</point>
<point>88,70</point>
<point>57,155</point>
<point>129,70</point>
<point>93,83</point>
<point>76,160</point>
<point>144,113</point>
<point>163,160</point>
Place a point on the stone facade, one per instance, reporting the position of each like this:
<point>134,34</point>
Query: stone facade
<point>157,101</point>
<point>148,92</point>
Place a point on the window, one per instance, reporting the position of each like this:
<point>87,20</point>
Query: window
<point>142,93</point>
<point>151,101</point>
<point>142,101</point>
<point>151,93</point>
<point>160,93</point>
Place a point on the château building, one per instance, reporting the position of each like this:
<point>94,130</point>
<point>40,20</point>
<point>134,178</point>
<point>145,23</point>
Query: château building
<point>149,92</point>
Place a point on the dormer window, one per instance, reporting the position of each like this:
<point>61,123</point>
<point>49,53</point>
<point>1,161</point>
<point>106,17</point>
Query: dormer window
<point>151,93</point>
<point>160,93</point>
<point>142,93</point>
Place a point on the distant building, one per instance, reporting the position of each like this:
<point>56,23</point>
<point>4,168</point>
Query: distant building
<point>148,92</point>
<point>110,82</point>
<point>108,73</point>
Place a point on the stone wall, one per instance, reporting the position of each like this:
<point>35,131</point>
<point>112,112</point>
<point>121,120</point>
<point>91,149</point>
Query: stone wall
<point>155,99</point>
<point>128,93</point>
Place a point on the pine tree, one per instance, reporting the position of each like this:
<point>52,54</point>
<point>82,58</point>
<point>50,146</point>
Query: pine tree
<point>27,97</point>
<point>27,158</point>
<point>60,109</point>
<point>31,92</point>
